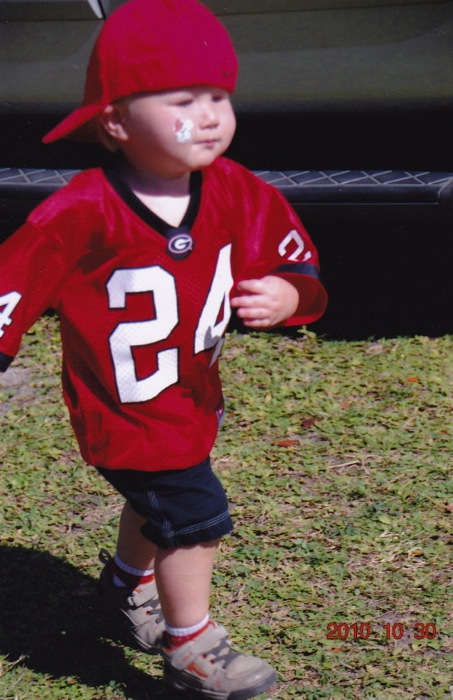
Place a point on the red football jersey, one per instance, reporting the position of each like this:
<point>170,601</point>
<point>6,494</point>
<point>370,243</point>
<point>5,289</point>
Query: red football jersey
<point>143,307</point>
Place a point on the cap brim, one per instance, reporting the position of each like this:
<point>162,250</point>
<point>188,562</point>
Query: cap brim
<point>78,125</point>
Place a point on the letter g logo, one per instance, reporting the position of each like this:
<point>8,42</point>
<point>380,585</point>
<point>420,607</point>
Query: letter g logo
<point>180,246</point>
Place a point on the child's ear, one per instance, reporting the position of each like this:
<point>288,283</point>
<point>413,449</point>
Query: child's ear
<point>111,118</point>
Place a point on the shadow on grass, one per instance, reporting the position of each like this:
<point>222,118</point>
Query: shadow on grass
<point>50,616</point>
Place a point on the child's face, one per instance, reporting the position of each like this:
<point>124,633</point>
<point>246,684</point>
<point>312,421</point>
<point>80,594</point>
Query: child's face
<point>177,131</point>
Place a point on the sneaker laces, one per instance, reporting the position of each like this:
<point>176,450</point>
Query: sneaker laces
<point>222,653</point>
<point>213,644</point>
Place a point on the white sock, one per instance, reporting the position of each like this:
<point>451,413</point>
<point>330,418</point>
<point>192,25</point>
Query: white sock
<point>128,570</point>
<point>187,631</point>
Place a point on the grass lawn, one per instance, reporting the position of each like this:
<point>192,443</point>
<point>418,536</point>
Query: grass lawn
<point>337,458</point>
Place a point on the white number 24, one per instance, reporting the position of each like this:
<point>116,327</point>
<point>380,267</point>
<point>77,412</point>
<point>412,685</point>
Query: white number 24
<point>127,335</point>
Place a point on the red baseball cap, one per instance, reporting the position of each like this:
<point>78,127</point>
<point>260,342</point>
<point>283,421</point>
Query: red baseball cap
<point>149,46</point>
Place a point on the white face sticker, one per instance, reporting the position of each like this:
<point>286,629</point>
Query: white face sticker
<point>183,130</point>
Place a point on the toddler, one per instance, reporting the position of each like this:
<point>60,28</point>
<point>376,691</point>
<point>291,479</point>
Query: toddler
<point>143,262</point>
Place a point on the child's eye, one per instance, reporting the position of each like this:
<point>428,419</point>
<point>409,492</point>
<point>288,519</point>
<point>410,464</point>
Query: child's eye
<point>184,102</point>
<point>220,96</point>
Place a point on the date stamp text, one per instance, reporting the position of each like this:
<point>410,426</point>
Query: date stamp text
<point>363,630</point>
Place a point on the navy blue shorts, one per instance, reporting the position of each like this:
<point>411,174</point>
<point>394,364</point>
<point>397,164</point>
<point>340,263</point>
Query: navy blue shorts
<point>182,507</point>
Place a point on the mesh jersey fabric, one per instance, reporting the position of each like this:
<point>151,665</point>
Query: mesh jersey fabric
<point>141,331</point>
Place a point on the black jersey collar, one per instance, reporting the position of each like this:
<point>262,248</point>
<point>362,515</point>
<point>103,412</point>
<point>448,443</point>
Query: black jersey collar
<point>147,215</point>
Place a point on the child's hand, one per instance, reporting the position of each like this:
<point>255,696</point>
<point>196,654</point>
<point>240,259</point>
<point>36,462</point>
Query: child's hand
<point>265,302</point>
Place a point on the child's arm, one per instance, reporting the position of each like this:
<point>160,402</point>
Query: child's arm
<point>265,302</point>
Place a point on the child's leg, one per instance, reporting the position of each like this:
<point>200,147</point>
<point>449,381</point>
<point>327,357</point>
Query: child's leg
<point>183,574</point>
<point>196,651</point>
<point>127,584</point>
<point>132,547</point>
<point>184,579</point>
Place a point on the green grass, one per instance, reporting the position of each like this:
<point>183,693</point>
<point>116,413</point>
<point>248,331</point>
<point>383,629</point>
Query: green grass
<point>337,460</point>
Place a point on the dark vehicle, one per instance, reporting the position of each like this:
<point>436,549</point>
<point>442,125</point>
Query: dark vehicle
<point>346,105</point>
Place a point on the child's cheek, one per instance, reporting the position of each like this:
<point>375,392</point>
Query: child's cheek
<point>183,130</point>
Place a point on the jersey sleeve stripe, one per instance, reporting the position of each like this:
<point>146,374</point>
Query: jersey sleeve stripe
<point>299,268</point>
